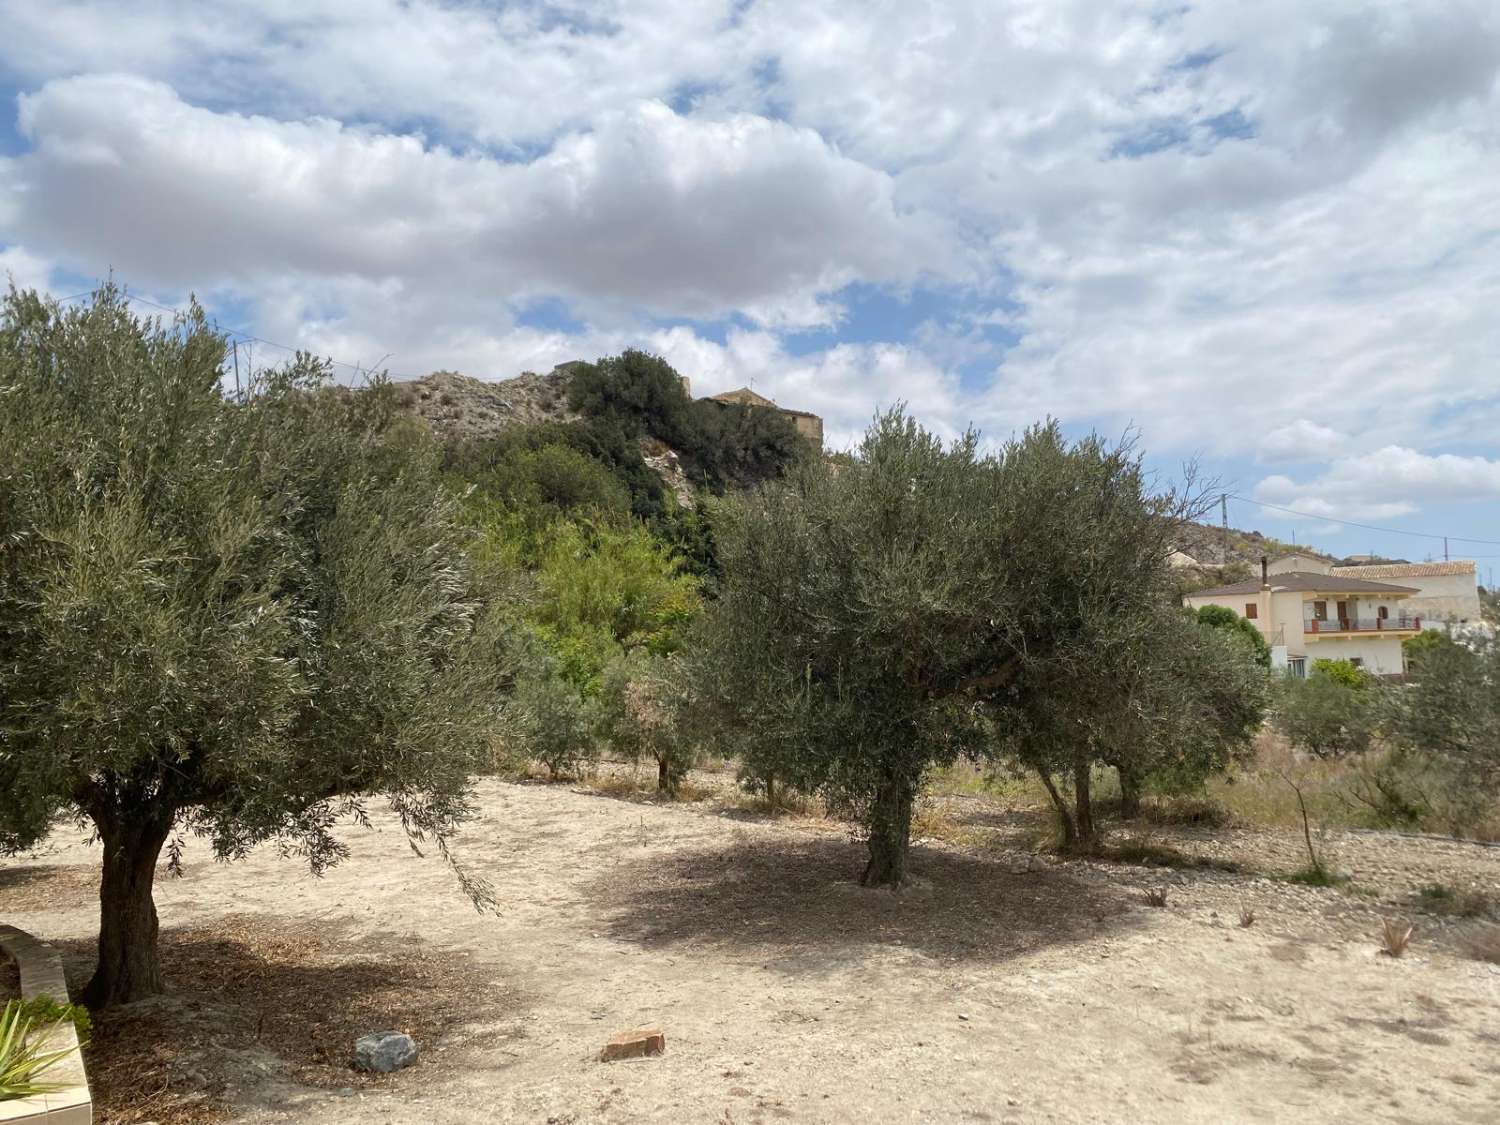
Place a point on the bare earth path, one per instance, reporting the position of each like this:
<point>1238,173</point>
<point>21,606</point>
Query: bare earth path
<point>1001,988</point>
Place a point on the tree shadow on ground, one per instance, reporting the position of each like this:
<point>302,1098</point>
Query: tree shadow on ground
<point>256,1007</point>
<point>51,886</point>
<point>796,902</point>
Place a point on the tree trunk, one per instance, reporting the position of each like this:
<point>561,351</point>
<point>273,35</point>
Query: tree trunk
<point>128,967</point>
<point>666,783</point>
<point>1064,814</point>
<point>890,834</point>
<point>1130,793</point>
<point>1083,808</point>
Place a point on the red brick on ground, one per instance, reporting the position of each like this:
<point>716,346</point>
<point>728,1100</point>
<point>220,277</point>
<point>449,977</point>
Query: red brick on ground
<point>634,1044</point>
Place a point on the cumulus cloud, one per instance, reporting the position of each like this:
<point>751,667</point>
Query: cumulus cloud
<point>648,210</point>
<point>1263,232</point>
<point>1301,440</point>
<point>1383,483</point>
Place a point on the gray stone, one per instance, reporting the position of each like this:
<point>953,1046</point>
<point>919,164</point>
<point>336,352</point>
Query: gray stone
<point>384,1051</point>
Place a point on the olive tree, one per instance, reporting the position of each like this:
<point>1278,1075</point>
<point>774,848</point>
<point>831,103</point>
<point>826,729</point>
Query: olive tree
<point>1166,705</point>
<point>230,616</point>
<point>642,704</point>
<point>1452,710</point>
<point>918,602</point>
<point>846,623</point>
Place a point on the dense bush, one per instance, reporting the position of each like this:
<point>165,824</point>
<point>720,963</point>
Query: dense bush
<point>1222,617</point>
<point>1452,710</point>
<point>1333,713</point>
<point>549,720</point>
<point>635,395</point>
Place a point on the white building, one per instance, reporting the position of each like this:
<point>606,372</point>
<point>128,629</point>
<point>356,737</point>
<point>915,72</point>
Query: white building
<point>1447,593</point>
<point>1310,615</point>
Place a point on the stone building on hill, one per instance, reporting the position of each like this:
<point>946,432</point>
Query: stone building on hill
<point>808,425</point>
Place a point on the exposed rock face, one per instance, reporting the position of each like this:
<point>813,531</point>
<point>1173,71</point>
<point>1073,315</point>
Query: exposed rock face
<point>1207,543</point>
<point>464,408</point>
<point>460,406</point>
<point>662,460</point>
<point>384,1051</point>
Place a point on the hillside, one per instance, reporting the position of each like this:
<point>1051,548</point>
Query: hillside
<point>461,407</point>
<point>464,408</point>
<point>1207,544</point>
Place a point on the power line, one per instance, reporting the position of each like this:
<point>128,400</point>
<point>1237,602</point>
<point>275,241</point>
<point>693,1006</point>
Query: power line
<point>1364,526</point>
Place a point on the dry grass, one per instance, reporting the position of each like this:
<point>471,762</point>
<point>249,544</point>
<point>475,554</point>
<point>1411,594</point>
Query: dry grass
<point>25,890</point>
<point>284,999</point>
<point>1395,936</point>
<point>1439,898</point>
<point>637,782</point>
<point>1484,944</point>
<point>1147,852</point>
<point>1157,896</point>
<point>1247,917</point>
<point>789,802</point>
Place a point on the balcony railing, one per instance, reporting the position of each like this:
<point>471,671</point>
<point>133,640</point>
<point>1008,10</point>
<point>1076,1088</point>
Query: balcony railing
<point>1362,625</point>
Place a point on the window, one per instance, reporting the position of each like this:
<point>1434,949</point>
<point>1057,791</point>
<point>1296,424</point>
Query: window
<point>1320,611</point>
<point>1357,661</point>
<point>1298,666</point>
<point>1252,611</point>
<point>1383,613</point>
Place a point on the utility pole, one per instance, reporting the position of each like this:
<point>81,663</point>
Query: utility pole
<point>1445,548</point>
<point>238,394</point>
<point>1224,521</point>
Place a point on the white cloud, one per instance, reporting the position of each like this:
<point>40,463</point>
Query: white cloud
<point>1301,440</point>
<point>23,269</point>
<point>507,76</point>
<point>1260,232</point>
<point>1385,483</point>
<point>647,211</point>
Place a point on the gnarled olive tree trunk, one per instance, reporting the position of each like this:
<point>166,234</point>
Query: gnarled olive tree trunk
<point>890,833</point>
<point>129,967</point>
<point>1079,831</point>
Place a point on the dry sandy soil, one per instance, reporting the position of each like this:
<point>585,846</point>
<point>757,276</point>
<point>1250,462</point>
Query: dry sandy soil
<point>1002,986</point>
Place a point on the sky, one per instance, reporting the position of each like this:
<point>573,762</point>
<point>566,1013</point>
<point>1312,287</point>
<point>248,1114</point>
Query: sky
<point>1262,236</point>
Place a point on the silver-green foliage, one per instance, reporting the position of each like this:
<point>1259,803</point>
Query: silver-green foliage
<point>920,601</point>
<point>849,617</point>
<point>228,615</point>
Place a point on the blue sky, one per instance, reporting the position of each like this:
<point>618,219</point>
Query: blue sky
<point>1267,237</point>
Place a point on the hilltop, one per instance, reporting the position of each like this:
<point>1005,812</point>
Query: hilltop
<point>1210,546</point>
<point>461,407</point>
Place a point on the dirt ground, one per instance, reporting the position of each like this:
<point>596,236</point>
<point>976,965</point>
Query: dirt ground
<point>1001,986</point>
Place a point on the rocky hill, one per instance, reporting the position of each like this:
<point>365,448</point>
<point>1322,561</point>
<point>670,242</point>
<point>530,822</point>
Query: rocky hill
<point>462,407</point>
<point>1210,547</point>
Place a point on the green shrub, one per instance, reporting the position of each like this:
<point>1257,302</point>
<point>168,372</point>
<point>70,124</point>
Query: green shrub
<point>1222,617</point>
<point>640,706</point>
<point>1331,714</point>
<point>550,720</point>
<point>23,1064</point>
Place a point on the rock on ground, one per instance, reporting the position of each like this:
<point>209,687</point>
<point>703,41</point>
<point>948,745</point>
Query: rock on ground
<point>384,1051</point>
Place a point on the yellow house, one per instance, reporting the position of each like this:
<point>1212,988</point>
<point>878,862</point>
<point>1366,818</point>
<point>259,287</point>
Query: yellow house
<point>1306,616</point>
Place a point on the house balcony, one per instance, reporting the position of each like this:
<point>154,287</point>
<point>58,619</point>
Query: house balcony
<point>1345,626</point>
